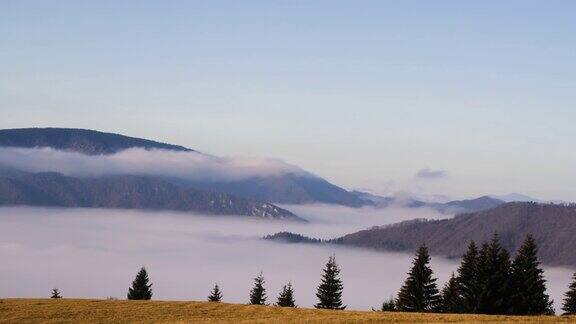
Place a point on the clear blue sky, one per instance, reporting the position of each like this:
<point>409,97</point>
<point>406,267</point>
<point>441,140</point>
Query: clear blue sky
<point>364,93</point>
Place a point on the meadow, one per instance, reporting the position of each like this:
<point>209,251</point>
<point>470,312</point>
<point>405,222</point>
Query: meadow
<point>123,311</point>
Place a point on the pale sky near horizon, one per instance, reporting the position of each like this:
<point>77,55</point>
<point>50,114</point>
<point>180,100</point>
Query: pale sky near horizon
<point>363,93</point>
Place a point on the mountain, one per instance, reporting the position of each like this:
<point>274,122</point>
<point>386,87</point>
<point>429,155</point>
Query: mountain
<point>553,227</point>
<point>468,205</point>
<point>129,192</point>
<point>285,188</point>
<point>376,200</point>
<point>450,207</point>
<point>78,140</point>
<point>11,172</point>
<point>512,197</point>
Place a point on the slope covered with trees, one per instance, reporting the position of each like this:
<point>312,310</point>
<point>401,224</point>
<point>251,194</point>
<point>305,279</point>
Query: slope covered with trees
<point>78,140</point>
<point>128,192</point>
<point>553,227</point>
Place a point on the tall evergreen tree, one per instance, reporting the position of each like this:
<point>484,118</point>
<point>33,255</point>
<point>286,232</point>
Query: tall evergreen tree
<point>389,305</point>
<point>451,299</point>
<point>419,292</point>
<point>141,289</point>
<point>215,294</point>
<point>286,297</point>
<point>55,294</point>
<point>494,279</point>
<point>467,280</point>
<point>330,289</point>
<point>258,292</point>
<point>529,295</point>
<point>569,306</point>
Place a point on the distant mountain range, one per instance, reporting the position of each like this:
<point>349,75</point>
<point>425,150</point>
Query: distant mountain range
<point>451,207</point>
<point>515,197</point>
<point>128,192</point>
<point>553,227</point>
<point>283,188</point>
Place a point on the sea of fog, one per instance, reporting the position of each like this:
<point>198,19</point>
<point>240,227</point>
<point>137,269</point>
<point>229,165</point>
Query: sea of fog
<point>95,253</point>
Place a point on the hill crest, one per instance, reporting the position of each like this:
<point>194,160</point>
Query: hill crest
<point>84,141</point>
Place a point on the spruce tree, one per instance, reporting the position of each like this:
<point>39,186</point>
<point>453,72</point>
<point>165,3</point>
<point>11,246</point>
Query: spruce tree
<point>140,289</point>
<point>467,280</point>
<point>451,299</point>
<point>389,305</point>
<point>494,279</point>
<point>258,292</point>
<point>286,297</point>
<point>529,296</point>
<point>330,289</point>
<point>419,292</point>
<point>55,294</point>
<point>569,306</point>
<point>215,294</point>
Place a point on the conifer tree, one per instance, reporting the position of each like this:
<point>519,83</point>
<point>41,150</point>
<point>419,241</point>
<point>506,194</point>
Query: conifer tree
<point>529,296</point>
<point>140,289</point>
<point>451,299</point>
<point>330,289</point>
<point>494,279</point>
<point>389,305</point>
<point>215,294</point>
<point>55,294</point>
<point>258,292</point>
<point>569,306</point>
<point>467,279</point>
<point>286,297</point>
<point>419,292</point>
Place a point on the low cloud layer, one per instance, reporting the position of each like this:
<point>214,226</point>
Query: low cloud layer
<point>431,174</point>
<point>189,165</point>
<point>96,253</point>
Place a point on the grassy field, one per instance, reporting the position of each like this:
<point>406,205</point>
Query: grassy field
<point>121,311</point>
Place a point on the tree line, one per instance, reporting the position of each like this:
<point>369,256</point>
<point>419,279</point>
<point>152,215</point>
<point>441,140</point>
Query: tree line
<point>488,281</point>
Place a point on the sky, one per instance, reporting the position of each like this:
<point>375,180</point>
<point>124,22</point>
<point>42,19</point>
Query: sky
<point>459,98</point>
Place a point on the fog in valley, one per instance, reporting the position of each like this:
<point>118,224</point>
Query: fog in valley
<point>95,253</point>
<point>186,165</point>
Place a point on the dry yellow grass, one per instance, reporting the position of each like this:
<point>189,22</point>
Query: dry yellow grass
<point>121,311</point>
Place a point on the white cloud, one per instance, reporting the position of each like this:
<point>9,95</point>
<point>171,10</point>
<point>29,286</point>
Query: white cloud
<point>431,174</point>
<point>189,165</point>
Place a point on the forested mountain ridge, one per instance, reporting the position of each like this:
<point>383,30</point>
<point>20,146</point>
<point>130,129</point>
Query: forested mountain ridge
<point>128,192</point>
<point>552,225</point>
<point>78,140</point>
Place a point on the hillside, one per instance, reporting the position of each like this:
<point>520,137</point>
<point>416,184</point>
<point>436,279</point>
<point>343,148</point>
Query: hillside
<point>130,192</point>
<point>553,227</point>
<point>451,207</point>
<point>283,188</point>
<point>78,140</point>
<point>122,311</point>
<point>468,205</point>
<point>287,189</point>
